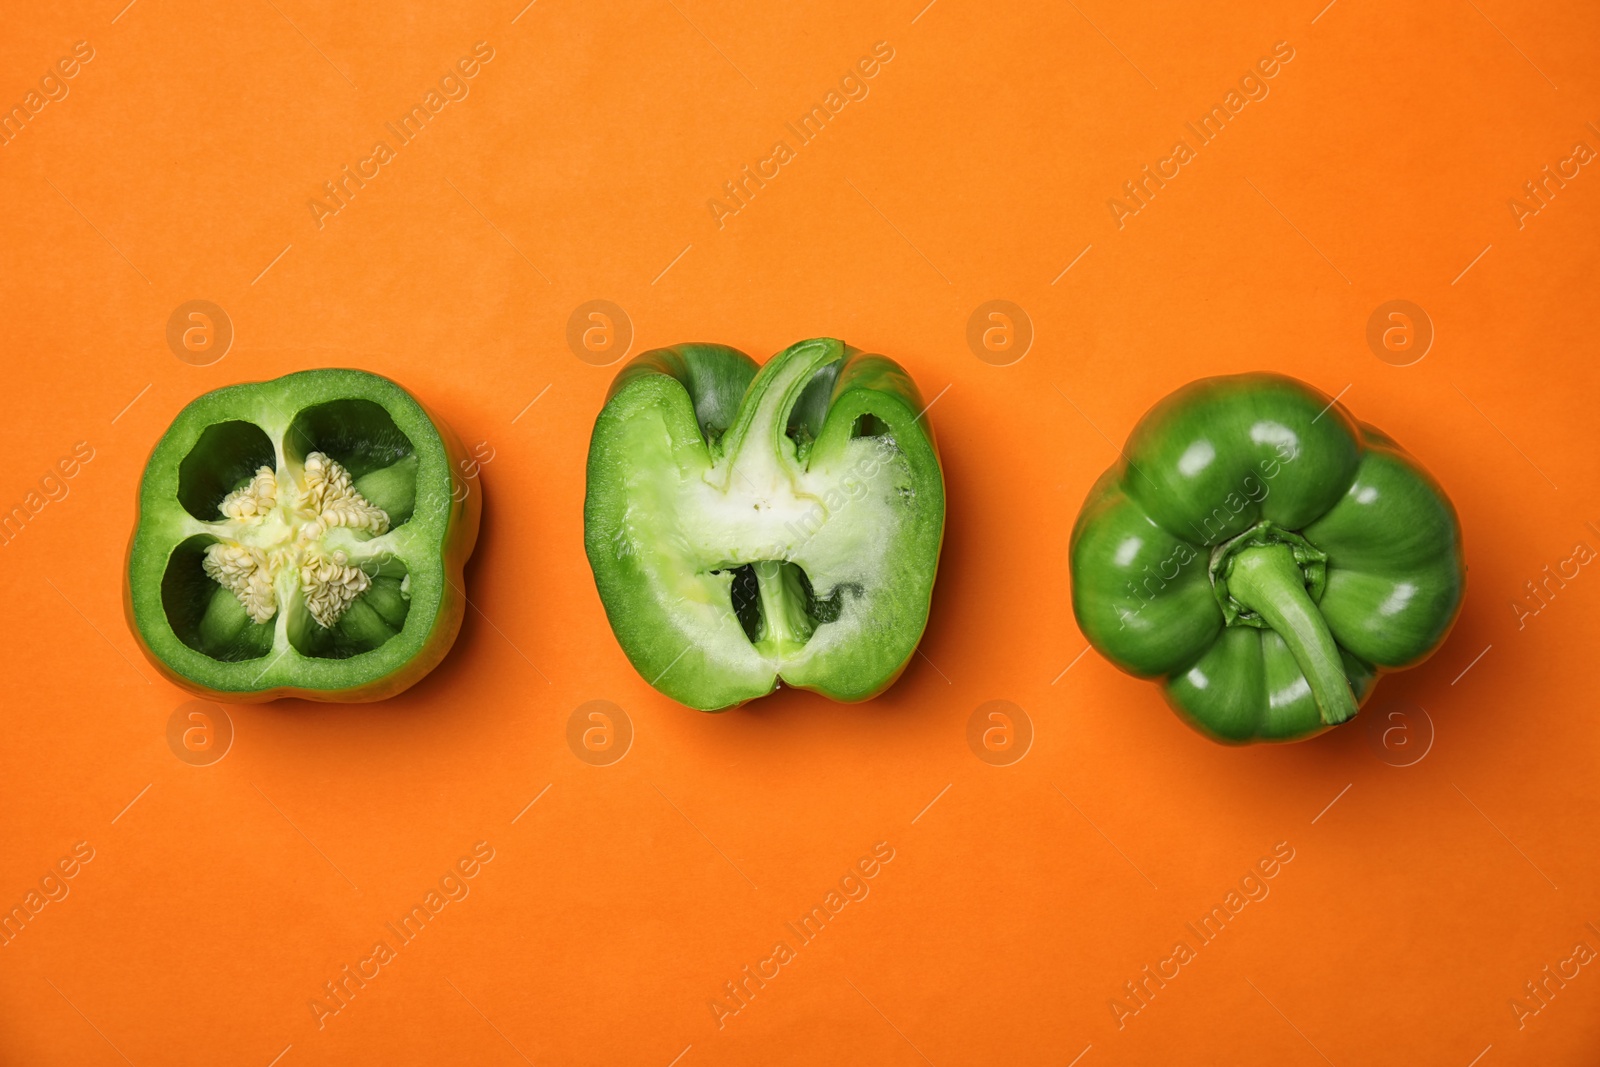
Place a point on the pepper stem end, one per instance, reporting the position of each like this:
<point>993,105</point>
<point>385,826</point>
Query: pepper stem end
<point>1267,580</point>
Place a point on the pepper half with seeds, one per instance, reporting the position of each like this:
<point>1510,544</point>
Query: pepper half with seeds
<point>749,524</point>
<point>302,537</point>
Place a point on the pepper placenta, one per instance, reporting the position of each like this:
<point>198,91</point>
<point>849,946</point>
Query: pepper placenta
<point>746,526</point>
<point>1265,556</point>
<point>302,537</point>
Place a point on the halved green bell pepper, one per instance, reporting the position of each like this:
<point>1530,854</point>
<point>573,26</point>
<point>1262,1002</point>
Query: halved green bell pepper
<point>745,527</point>
<point>302,537</point>
<point>1265,556</point>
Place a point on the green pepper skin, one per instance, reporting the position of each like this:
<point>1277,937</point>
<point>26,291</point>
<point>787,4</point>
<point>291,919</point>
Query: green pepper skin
<point>402,456</point>
<point>1232,472</point>
<point>808,491</point>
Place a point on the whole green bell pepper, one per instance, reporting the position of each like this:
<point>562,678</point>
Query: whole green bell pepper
<point>745,527</point>
<point>302,537</point>
<point>1265,556</point>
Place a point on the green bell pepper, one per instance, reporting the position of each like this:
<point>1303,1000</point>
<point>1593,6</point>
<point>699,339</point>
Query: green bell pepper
<point>302,537</point>
<point>748,527</point>
<point>1265,556</point>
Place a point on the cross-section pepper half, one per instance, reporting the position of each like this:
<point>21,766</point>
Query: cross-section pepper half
<point>748,527</point>
<point>302,537</point>
<point>1265,556</point>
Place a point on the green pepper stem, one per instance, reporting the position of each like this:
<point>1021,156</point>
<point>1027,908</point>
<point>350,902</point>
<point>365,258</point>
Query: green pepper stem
<point>1265,579</point>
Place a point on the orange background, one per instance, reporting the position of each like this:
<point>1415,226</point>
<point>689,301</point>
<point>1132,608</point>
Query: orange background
<point>1416,906</point>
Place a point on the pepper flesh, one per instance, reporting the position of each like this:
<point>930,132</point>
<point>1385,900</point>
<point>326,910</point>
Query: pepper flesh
<point>1265,557</point>
<point>301,537</point>
<point>745,526</point>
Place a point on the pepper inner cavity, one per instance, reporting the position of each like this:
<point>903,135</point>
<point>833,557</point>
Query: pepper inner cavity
<point>777,606</point>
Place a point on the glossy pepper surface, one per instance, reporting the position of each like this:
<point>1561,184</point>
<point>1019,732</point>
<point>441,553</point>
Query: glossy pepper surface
<point>302,537</point>
<point>746,525</point>
<point>1265,557</point>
